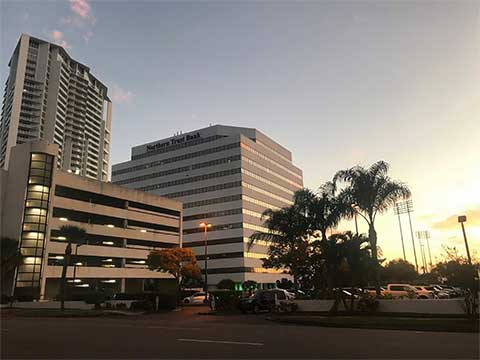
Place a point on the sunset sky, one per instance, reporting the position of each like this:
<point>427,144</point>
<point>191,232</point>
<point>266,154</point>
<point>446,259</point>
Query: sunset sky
<point>337,83</point>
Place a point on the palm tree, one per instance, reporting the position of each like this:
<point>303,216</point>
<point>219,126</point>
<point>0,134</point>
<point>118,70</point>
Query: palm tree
<point>9,260</point>
<point>325,209</point>
<point>72,234</point>
<point>287,235</point>
<point>370,192</point>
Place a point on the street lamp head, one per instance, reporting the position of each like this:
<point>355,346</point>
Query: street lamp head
<point>462,218</point>
<point>205,224</point>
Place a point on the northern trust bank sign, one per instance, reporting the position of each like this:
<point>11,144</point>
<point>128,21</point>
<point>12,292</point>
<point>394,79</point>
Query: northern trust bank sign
<point>173,141</point>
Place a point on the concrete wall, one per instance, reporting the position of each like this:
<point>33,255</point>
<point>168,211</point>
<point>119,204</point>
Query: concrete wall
<point>440,306</point>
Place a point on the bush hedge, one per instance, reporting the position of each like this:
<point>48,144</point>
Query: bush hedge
<point>226,299</point>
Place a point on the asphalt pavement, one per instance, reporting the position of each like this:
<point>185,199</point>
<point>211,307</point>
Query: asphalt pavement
<point>185,334</point>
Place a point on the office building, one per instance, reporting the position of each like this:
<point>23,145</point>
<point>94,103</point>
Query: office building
<point>226,176</point>
<point>50,96</point>
<point>122,226</point>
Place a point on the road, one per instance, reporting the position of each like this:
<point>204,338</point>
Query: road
<point>184,334</point>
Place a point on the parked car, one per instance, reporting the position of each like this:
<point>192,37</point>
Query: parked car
<point>370,290</point>
<point>196,298</point>
<point>453,291</point>
<point>424,293</point>
<point>439,292</point>
<point>262,300</point>
<point>290,295</point>
<point>401,291</point>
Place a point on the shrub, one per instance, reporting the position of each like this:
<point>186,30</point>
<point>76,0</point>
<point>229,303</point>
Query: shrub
<point>227,300</point>
<point>367,303</point>
<point>6,299</point>
<point>287,306</point>
<point>142,305</point>
<point>250,285</point>
<point>94,297</point>
<point>226,284</point>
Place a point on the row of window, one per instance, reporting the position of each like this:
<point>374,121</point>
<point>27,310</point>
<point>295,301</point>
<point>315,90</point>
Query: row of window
<point>100,199</point>
<point>219,200</point>
<point>177,146</point>
<point>179,170</point>
<point>95,261</point>
<point>272,172</point>
<point>259,202</point>
<point>266,181</point>
<point>271,149</point>
<point>238,254</point>
<point>268,193</point>
<point>264,157</point>
<point>191,179</point>
<point>222,227</point>
<point>243,269</point>
<point>213,214</point>
<point>112,241</point>
<point>221,213</point>
<point>177,158</point>
<point>219,187</point>
<point>110,221</point>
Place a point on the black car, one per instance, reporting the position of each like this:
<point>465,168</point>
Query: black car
<point>263,300</point>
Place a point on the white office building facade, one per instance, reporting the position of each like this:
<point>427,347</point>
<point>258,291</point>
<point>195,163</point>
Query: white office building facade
<point>226,176</point>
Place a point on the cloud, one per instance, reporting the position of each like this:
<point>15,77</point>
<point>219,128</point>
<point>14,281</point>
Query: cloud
<point>59,38</point>
<point>87,36</point>
<point>451,222</point>
<point>81,8</point>
<point>120,95</point>
<point>82,18</point>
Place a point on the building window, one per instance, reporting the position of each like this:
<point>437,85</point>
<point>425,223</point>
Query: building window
<point>32,241</point>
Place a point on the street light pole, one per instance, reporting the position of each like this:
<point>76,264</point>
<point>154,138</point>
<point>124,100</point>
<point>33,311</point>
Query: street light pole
<point>206,225</point>
<point>461,220</point>
<point>75,264</point>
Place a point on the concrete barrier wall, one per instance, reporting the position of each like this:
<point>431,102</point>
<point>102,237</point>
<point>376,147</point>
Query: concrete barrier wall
<point>443,306</point>
<point>52,305</point>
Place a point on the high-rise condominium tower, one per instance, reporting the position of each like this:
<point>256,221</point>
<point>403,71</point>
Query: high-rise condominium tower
<point>50,96</point>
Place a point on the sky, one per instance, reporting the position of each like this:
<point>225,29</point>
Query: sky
<point>338,83</point>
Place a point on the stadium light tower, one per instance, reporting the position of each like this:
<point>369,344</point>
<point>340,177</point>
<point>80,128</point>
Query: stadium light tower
<point>403,207</point>
<point>426,235</point>
<point>397,212</point>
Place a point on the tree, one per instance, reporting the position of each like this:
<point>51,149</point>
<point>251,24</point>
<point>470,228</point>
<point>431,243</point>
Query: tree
<point>250,285</point>
<point>181,263</point>
<point>288,237</point>
<point>323,210</point>
<point>9,260</point>
<point>456,273</point>
<point>73,234</point>
<point>370,192</point>
<point>284,283</point>
<point>226,284</point>
<point>399,271</point>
